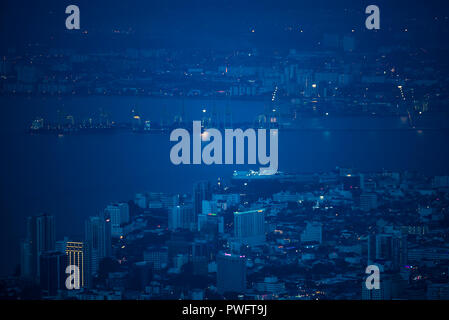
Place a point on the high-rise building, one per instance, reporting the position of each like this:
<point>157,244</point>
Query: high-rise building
<point>52,269</point>
<point>211,222</point>
<point>26,259</point>
<point>203,248</point>
<point>367,184</point>
<point>214,206</point>
<point>118,213</point>
<point>75,257</point>
<point>141,200</point>
<point>271,285</point>
<point>157,256</point>
<point>162,200</point>
<point>201,191</point>
<point>231,199</point>
<point>231,273</point>
<point>391,247</point>
<point>40,238</point>
<point>202,252</point>
<point>210,206</point>
<point>391,286</point>
<point>97,244</point>
<point>249,227</point>
<point>383,293</point>
<point>141,275</point>
<point>181,217</point>
<point>351,182</point>
<point>368,201</point>
<point>379,247</point>
<point>61,245</point>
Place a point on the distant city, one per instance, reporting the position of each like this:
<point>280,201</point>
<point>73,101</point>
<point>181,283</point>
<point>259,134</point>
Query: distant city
<point>333,78</point>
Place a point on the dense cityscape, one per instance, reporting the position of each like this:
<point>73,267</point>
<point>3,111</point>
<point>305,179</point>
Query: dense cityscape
<point>283,236</point>
<point>79,106</point>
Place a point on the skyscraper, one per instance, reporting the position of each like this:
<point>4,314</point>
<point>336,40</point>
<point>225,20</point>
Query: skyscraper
<point>249,227</point>
<point>118,213</point>
<point>52,268</point>
<point>157,256</point>
<point>390,247</point>
<point>201,191</point>
<point>75,256</point>
<point>40,238</point>
<point>61,245</point>
<point>231,273</point>
<point>383,293</point>
<point>181,217</point>
<point>368,201</point>
<point>388,287</point>
<point>98,244</point>
<point>211,222</point>
<point>26,259</point>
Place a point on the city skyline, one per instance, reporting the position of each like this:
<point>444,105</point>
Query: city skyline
<point>121,122</point>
